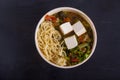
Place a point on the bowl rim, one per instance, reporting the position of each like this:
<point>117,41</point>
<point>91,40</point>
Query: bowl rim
<point>55,10</point>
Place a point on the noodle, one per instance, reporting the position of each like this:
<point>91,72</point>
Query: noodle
<point>49,43</point>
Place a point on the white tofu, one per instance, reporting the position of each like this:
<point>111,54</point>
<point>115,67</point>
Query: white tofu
<point>71,42</point>
<point>79,28</point>
<point>66,28</point>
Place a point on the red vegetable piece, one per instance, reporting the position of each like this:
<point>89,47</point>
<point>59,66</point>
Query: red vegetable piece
<point>81,39</point>
<point>67,19</point>
<point>50,18</point>
<point>75,60</point>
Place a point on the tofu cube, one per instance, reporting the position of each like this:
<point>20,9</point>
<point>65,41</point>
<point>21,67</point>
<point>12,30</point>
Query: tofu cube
<point>66,28</point>
<point>71,42</point>
<point>79,28</point>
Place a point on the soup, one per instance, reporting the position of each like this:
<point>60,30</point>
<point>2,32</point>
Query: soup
<point>61,45</point>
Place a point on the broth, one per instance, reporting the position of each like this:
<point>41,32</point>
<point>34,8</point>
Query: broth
<point>85,41</point>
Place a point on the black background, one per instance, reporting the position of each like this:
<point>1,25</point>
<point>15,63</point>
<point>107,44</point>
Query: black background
<point>20,60</point>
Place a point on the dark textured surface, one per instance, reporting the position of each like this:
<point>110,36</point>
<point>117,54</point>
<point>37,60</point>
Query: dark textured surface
<point>20,60</point>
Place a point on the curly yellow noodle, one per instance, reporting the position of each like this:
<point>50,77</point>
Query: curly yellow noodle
<point>49,43</point>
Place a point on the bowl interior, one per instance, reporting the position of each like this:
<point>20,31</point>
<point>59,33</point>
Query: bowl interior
<point>77,12</point>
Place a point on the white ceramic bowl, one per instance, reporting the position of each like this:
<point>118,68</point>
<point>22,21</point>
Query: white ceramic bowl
<point>56,10</point>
